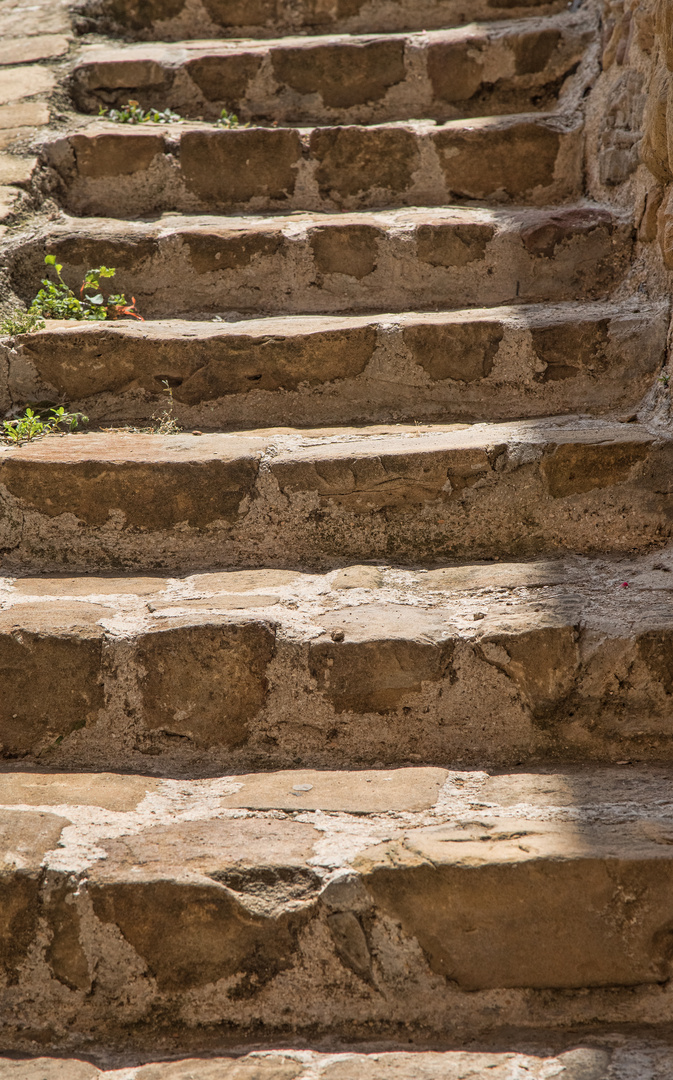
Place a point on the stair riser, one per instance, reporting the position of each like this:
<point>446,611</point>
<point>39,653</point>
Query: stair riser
<point>242,689</point>
<point>172,20</point>
<point>366,371</point>
<point>360,265</point>
<point>227,503</point>
<point>130,173</point>
<point>152,948</point>
<point>441,77</point>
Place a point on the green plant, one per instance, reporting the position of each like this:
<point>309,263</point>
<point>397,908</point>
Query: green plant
<point>132,113</point>
<point>229,120</point>
<point>56,300</point>
<point>21,322</point>
<point>165,423</point>
<point>665,379</point>
<point>32,425</point>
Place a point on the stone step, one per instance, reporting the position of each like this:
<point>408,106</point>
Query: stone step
<point>594,1058</point>
<point>284,497</point>
<point>165,913</point>
<point>445,74</point>
<point>111,169</point>
<point>467,665</point>
<point>487,364</point>
<point>384,262</point>
<point>174,20</point>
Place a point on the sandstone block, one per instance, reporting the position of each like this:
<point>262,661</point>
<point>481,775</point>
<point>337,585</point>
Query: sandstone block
<point>213,923</point>
<point>480,937</point>
<point>22,82</point>
<point>654,151</point>
<point>463,352</point>
<point>224,78</point>
<point>491,157</point>
<point>50,658</point>
<point>247,1068</point>
<point>237,166</point>
<point>381,663</point>
<point>353,160</point>
<point>551,229</point>
<point>343,74</point>
<point>207,682</point>
<point>453,245</point>
<point>38,47</point>
<point>108,155</point>
<point>195,486</point>
<point>350,250</point>
<point>25,839</point>
<point>364,792</point>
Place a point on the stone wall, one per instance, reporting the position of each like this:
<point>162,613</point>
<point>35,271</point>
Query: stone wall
<point>630,143</point>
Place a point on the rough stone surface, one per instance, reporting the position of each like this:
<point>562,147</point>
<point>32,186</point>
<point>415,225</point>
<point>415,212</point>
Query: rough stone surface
<point>38,47</point>
<point>44,1068</point>
<point>231,688</point>
<point>573,482</point>
<point>193,894</point>
<point>371,760</point>
<point>580,1063</point>
<point>274,1067</point>
<point>463,257</point>
<point>126,173</point>
<point>363,792</point>
<point>493,663</point>
<point>265,18</point>
<point>51,667</point>
<point>488,363</point>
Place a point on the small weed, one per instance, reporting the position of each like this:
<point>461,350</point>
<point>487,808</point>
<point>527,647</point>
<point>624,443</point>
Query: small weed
<point>665,379</point>
<point>131,113</point>
<point>21,322</point>
<point>164,423</point>
<point>33,425</point>
<point>56,300</point>
<point>229,120</point>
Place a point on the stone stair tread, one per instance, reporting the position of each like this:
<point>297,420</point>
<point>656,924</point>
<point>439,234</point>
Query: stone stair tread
<point>288,445</point>
<point>400,492</point>
<point>268,19</point>
<point>486,363</point>
<point>317,262</point>
<point>189,889</point>
<point>480,664</point>
<point>117,170</point>
<point>466,71</point>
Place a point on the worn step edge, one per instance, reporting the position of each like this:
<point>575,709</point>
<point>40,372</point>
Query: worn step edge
<point>131,915</point>
<point>531,158</point>
<point>594,1054</point>
<point>492,664</point>
<point>574,1057</point>
<point>208,19</point>
<point>479,70</point>
<point>490,364</point>
<point>385,261</point>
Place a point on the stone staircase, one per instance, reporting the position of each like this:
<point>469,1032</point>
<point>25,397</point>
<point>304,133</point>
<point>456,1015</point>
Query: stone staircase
<point>336,726</point>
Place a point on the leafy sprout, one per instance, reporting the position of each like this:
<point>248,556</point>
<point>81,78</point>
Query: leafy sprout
<point>56,300</point>
<point>229,120</point>
<point>132,113</point>
<point>21,322</point>
<point>33,425</point>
